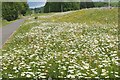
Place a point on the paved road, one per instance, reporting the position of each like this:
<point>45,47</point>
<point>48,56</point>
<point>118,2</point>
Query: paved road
<point>6,31</point>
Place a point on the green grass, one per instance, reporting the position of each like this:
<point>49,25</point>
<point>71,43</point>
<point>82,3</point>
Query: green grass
<point>81,44</point>
<point>88,16</point>
<point>4,22</point>
<point>0,23</point>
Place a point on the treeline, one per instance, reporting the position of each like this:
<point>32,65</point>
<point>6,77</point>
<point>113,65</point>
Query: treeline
<point>12,10</point>
<point>105,4</point>
<point>67,6</point>
<point>61,6</point>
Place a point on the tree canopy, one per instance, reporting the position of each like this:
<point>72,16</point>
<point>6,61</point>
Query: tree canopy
<point>66,6</point>
<point>11,10</point>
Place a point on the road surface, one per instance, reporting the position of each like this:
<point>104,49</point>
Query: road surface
<point>8,30</point>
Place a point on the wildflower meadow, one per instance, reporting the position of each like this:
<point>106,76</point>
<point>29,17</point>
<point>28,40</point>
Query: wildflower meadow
<point>64,45</point>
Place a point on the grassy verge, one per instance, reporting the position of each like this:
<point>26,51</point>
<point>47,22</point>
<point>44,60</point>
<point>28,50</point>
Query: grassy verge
<point>78,44</point>
<point>4,22</point>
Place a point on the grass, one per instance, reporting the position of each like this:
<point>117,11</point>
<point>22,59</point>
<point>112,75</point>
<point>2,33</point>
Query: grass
<point>4,22</point>
<point>0,23</point>
<point>88,16</point>
<point>81,44</point>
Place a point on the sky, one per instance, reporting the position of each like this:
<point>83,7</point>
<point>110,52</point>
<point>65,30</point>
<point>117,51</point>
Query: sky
<point>40,3</point>
<point>36,3</point>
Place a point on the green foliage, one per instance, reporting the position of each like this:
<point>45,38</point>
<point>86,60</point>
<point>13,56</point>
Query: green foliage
<point>105,4</point>
<point>71,6</point>
<point>114,4</point>
<point>61,6</point>
<point>101,4</point>
<point>24,8</point>
<point>52,7</point>
<point>86,5</point>
<point>67,6</point>
<point>11,10</point>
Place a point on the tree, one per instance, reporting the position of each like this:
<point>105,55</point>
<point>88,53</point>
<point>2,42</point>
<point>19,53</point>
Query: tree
<point>11,10</point>
<point>100,4</point>
<point>61,6</point>
<point>71,6</point>
<point>87,4</point>
<point>24,9</point>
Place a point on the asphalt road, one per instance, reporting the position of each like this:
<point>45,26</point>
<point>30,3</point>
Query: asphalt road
<point>8,30</point>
